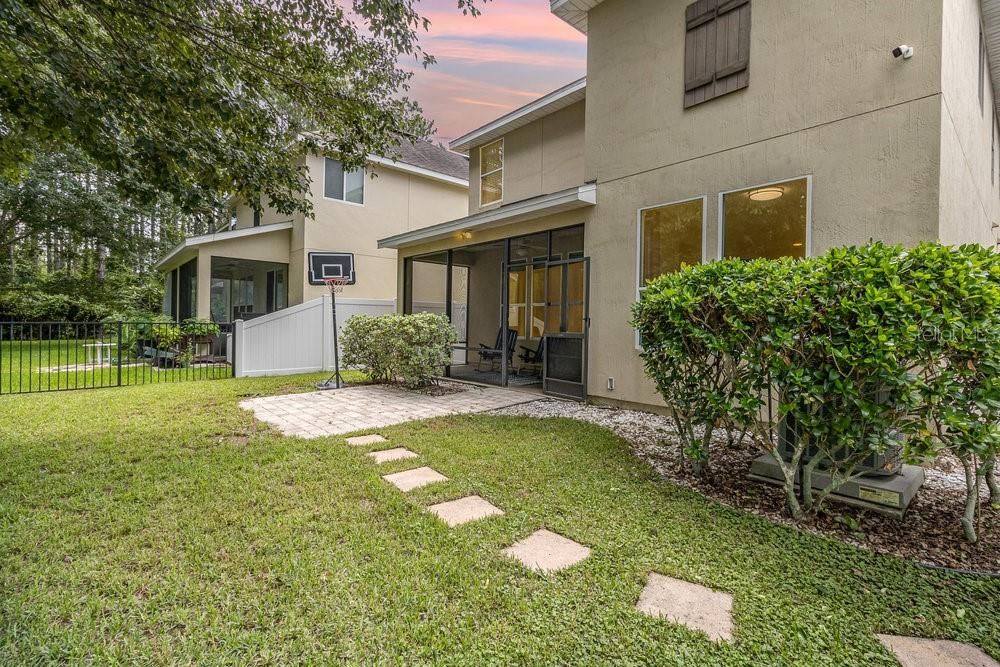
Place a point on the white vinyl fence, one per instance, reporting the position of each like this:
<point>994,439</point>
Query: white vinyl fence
<point>298,339</point>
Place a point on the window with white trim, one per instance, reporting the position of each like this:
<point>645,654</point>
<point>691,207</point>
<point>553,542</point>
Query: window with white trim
<point>343,185</point>
<point>491,173</point>
<point>670,237</point>
<point>769,221</point>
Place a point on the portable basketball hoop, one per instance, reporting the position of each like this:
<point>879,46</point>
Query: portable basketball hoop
<point>336,286</point>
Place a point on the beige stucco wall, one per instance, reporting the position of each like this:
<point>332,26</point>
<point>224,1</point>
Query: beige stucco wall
<point>811,62</point>
<point>862,124</point>
<point>970,200</point>
<point>395,202</point>
<point>542,157</point>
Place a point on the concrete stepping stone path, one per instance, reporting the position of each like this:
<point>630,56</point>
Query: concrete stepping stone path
<point>917,652</point>
<point>545,551</point>
<point>414,479</point>
<point>360,440</point>
<point>692,605</point>
<point>395,454</point>
<point>471,508</point>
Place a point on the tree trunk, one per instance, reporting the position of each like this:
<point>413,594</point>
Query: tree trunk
<point>971,500</point>
<point>990,472</point>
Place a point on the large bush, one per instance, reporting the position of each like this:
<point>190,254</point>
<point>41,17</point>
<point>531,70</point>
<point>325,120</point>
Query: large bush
<point>861,348</point>
<point>410,349</point>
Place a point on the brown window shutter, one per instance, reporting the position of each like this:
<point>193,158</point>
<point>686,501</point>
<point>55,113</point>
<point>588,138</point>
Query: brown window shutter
<point>717,49</point>
<point>732,53</point>
<point>699,50</point>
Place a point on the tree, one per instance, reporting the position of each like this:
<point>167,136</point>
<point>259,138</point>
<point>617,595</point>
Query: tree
<point>200,97</point>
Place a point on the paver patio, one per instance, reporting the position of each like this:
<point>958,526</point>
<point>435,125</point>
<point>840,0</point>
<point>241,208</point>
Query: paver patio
<point>695,606</point>
<point>325,413</point>
<point>471,508</point>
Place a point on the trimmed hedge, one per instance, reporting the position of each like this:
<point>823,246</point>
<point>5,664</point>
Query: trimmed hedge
<point>410,349</point>
<point>863,348</point>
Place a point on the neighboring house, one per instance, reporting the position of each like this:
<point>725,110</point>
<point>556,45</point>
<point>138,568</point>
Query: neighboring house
<point>264,261</point>
<point>736,128</point>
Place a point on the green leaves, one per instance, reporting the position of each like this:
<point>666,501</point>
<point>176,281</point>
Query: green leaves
<point>398,348</point>
<point>196,98</point>
<point>862,346</point>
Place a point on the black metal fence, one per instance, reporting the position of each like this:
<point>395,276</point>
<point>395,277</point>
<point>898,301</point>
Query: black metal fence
<point>59,356</point>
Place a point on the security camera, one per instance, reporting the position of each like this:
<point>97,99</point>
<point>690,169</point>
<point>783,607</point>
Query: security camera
<point>903,51</point>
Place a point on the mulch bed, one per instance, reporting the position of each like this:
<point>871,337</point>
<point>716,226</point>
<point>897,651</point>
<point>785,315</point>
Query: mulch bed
<point>929,534</point>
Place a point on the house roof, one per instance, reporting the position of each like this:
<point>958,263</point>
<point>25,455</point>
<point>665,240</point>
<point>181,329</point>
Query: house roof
<point>195,241</point>
<point>580,196</point>
<point>432,157</point>
<point>573,12</point>
<point>558,99</point>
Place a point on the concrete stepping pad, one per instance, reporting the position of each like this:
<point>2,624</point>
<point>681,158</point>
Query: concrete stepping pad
<point>918,652</point>
<point>695,606</point>
<point>471,508</point>
<point>360,440</point>
<point>414,479</point>
<point>395,454</point>
<point>545,551</point>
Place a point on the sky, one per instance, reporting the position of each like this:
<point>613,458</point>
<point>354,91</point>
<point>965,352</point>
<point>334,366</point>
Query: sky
<point>514,52</point>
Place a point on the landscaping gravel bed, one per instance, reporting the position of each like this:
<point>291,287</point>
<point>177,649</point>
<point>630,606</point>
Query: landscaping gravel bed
<point>930,533</point>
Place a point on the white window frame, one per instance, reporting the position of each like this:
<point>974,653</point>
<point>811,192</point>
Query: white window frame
<point>638,242</point>
<point>503,163</point>
<point>364,190</point>
<point>721,230</point>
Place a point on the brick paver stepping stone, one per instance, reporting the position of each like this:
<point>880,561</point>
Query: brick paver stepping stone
<point>697,607</point>
<point>456,512</point>
<point>917,652</point>
<point>359,440</point>
<point>414,479</point>
<point>545,551</point>
<point>395,454</point>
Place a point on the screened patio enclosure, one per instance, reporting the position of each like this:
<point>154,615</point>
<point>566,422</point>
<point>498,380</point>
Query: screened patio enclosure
<point>242,289</point>
<point>519,307</point>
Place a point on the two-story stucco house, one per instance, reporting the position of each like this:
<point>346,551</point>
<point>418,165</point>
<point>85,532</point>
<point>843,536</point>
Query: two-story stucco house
<point>718,128</point>
<point>262,261</point>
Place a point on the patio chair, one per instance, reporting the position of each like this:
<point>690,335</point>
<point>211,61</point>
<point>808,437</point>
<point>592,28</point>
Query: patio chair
<point>532,357</point>
<point>492,356</point>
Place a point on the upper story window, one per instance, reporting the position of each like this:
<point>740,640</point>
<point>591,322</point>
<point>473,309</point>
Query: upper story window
<point>491,173</point>
<point>769,221</point>
<point>343,185</point>
<point>717,49</point>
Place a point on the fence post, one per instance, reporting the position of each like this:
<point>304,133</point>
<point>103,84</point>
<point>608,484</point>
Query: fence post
<point>119,353</point>
<point>238,348</point>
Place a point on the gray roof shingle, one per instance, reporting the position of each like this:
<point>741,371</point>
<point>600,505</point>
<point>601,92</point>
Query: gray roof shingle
<point>427,155</point>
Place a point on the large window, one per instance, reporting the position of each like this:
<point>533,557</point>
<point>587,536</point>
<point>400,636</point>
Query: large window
<point>670,237</point>
<point>343,185</point>
<point>491,173</point>
<point>766,221</point>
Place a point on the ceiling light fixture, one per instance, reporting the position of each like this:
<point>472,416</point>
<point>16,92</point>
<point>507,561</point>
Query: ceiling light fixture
<point>766,194</point>
<point>465,235</point>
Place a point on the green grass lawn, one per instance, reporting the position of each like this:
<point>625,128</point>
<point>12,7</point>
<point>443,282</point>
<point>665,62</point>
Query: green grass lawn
<point>50,365</point>
<point>159,524</point>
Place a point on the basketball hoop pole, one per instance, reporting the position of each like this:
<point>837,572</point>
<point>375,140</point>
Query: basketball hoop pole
<point>336,381</point>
